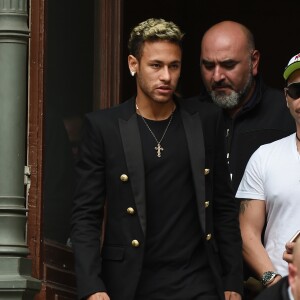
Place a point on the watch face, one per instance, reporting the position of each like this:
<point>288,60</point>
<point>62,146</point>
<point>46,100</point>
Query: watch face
<point>268,277</point>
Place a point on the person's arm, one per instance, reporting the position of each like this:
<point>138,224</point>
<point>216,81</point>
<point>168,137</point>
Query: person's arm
<point>252,220</point>
<point>87,213</point>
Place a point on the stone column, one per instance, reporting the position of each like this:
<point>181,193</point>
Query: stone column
<point>15,268</point>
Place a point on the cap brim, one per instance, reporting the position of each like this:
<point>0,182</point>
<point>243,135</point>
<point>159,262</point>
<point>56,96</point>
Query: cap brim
<point>290,69</point>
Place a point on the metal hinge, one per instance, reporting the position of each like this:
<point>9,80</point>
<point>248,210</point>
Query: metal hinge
<point>27,175</point>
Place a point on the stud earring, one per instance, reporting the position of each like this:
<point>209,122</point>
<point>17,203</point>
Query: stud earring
<point>132,73</point>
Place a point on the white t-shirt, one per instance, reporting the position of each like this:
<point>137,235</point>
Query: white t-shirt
<point>273,175</point>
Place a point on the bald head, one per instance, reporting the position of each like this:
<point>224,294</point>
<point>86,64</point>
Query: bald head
<point>229,63</point>
<point>230,32</point>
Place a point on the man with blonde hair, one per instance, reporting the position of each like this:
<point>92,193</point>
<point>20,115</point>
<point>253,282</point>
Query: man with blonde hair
<point>154,169</point>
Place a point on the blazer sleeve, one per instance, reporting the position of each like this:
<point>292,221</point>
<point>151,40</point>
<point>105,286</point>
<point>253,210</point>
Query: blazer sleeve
<point>87,212</point>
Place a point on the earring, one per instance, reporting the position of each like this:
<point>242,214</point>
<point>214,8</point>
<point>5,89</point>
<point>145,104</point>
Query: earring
<point>132,73</point>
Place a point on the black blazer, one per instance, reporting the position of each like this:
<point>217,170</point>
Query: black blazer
<point>110,170</point>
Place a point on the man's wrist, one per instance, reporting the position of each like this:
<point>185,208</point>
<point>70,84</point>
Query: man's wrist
<point>268,277</point>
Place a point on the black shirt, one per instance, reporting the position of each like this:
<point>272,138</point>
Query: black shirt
<point>175,265</point>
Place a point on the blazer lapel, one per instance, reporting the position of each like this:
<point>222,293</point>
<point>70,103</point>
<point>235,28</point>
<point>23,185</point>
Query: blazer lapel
<point>134,158</point>
<point>194,134</point>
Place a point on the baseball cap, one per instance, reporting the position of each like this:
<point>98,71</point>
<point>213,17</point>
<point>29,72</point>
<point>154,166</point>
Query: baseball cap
<point>293,65</point>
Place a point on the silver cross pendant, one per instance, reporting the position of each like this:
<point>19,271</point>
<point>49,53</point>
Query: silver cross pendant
<point>159,148</point>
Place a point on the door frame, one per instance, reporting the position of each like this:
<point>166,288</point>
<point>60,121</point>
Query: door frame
<point>47,256</point>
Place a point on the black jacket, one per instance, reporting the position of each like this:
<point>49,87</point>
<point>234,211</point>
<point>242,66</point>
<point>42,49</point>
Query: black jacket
<point>112,147</point>
<point>264,119</point>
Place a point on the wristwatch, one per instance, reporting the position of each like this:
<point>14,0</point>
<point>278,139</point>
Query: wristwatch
<point>268,277</point>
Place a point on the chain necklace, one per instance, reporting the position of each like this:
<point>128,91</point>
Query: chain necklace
<point>158,148</point>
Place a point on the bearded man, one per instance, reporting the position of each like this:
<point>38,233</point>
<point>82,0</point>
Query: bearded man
<point>254,113</point>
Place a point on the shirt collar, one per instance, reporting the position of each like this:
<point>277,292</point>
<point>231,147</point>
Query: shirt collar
<point>291,297</point>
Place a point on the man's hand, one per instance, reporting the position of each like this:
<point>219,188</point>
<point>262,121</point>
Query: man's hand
<point>288,253</point>
<point>276,279</point>
<point>232,296</point>
<point>99,296</point>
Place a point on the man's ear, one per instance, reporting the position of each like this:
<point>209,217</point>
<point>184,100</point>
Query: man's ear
<point>287,103</point>
<point>132,64</point>
<point>255,56</point>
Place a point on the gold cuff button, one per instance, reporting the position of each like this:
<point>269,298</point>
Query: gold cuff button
<point>124,177</point>
<point>206,171</point>
<point>206,204</point>
<point>130,211</point>
<point>135,243</point>
<point>208,237</point>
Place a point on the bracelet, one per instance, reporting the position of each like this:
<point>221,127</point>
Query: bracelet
<point>268,277</point>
